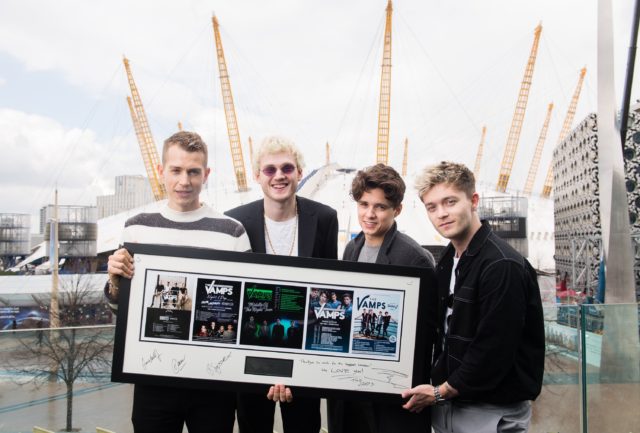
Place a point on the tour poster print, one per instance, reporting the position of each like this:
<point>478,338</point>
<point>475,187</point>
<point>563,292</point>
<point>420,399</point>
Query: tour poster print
<point>329,319</point>
<point>273,314</point>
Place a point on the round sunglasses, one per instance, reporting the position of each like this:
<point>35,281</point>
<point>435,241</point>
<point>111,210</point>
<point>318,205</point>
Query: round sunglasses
<point>271,170</point>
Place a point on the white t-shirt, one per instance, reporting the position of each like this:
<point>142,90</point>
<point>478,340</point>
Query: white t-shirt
<point>452,284</point>
<point>283,236</point>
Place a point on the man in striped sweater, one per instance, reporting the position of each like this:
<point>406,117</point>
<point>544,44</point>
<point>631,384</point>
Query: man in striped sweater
<point>182,221</point>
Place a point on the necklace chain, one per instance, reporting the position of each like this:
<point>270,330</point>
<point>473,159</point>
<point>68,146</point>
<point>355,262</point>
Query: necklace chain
<point>295,232</point>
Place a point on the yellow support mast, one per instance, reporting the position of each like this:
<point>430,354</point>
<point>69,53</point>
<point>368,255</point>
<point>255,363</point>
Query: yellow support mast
<point>476,168</point>
<point>327,150</point>
<point>250,151</point>
<point>384,111</point>
<point>230,112</point>
<point>405,159</point>
<point>518,117</point>
<point>566,126</point>
<point>145,139</point>
<point>533,170</point>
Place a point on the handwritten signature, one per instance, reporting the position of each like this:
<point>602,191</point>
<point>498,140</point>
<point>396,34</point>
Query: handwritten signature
<point>155,355</point>
<point>214,368</point>
<point>388,376</point>
<point>178,364</point>
<point>360,381</point>
<point>363,380</point>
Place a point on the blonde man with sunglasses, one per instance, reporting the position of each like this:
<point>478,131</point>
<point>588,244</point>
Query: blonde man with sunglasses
<point>283,223</point>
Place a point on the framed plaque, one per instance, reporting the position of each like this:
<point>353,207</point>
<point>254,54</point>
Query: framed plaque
<point>242,321</point>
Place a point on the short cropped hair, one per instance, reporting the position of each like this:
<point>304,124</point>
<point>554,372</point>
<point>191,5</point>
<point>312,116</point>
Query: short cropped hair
<point>276,144</point>
<point>379,176</point>
<point>452,173</point>
<point>189,141</point>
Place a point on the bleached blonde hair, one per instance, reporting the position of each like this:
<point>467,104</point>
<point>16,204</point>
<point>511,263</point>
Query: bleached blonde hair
<point>277,144</point>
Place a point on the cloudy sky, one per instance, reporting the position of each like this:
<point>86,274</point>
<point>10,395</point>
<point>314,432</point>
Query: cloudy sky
<point>301,68</point>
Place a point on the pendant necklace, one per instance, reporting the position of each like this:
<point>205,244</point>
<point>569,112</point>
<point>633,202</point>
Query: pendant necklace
<point>293,240</point>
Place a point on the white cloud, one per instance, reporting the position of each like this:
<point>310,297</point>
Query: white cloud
<point>295,69</point>
<point>38,155</point>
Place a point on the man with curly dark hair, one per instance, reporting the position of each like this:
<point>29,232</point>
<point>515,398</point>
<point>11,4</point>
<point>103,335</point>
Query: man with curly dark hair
<point>378,192</point>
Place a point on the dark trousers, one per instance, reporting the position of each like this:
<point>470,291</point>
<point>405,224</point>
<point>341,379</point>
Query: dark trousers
<point>255,414</point>
<point>374,417</point>
<point>159,409</point>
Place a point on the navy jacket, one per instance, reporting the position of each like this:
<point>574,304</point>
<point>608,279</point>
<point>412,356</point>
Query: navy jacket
<point>396,249</point>
<point>400,249</point>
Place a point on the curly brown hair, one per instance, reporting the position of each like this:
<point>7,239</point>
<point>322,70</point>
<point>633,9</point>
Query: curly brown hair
<point>380,176</point>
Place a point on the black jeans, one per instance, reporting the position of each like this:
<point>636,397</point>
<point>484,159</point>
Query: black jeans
<point>375,417</point>
<point>255,414</point>
<point>159,409</point>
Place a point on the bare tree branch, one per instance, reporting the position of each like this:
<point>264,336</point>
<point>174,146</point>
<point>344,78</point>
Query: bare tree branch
<point>65,353</point>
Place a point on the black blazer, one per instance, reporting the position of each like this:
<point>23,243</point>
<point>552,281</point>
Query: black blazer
<point>317,227</point>
<point>396,249</point>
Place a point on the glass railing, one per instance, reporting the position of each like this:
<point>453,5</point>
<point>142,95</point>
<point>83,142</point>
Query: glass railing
<point>61,380</point>
<point>592,370</point>
<point>591,381</point>
<point>557,409</point>
<point>610,367</point>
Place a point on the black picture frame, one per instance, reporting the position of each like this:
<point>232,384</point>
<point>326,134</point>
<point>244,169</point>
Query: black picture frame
<point>155,346</point>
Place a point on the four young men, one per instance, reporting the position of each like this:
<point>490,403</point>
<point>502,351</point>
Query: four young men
<point>485,318</point>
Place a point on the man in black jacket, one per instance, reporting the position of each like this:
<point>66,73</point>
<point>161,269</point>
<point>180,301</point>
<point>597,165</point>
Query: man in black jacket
<point>285,224</point>
<point>378,192</point>
<point>489,354</point>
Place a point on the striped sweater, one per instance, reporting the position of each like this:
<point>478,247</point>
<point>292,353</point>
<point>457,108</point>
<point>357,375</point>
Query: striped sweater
<point>201,228</point>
